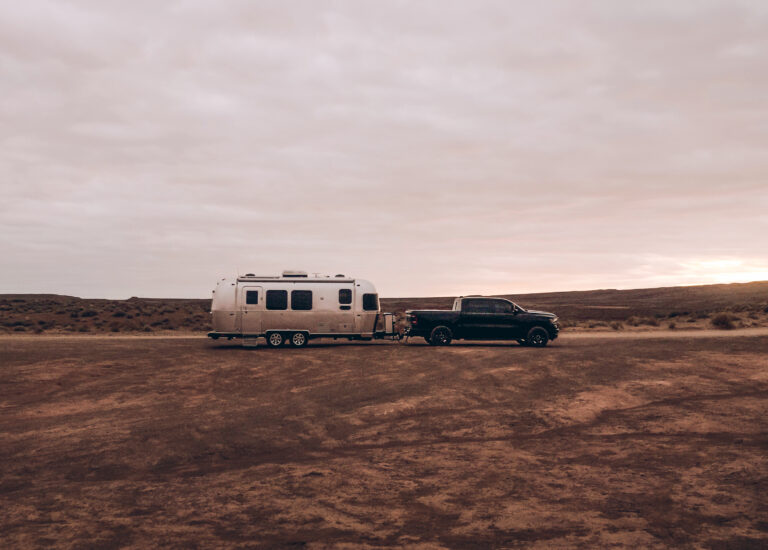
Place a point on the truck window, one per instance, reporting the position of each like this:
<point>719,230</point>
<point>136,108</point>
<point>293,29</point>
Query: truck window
<point>478,306</point>
<point>502,307</point>
<point>251,297</point>
<point>277,299</point>
<point>345,295</point>
<point>370,302</point>
<point>301,300</point>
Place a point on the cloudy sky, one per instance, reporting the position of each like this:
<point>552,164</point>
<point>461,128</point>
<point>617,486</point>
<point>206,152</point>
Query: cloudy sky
<point>436,148</point>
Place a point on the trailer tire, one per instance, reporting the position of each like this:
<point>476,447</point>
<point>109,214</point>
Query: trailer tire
<point>537,337</point>
<point>275,339</point>
<point>440,336</point>
<point>299,339</point>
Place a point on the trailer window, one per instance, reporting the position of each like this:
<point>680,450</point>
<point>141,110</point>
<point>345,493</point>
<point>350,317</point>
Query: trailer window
<point>370,302</point>
<point>345,295</point>
<point>301,300</point>
<point>277,299</point>
<point>252,297</point>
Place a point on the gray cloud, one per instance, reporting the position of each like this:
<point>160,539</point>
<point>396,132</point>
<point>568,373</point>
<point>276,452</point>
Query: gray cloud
<point>434,147</point>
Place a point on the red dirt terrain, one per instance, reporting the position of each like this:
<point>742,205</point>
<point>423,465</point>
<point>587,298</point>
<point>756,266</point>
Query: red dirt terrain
<point>182,442</point>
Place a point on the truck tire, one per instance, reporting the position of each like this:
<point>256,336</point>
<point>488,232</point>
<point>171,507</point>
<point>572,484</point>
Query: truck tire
<point>299,339</point>
<point>275,339</point>
<point>440,336</point>
<point>537,337</point>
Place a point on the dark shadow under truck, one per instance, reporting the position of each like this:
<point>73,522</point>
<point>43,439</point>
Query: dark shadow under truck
<point>482,318</point>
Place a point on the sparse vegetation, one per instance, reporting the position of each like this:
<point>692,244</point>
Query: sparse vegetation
<point>724,321</point>
<point>614,310</point>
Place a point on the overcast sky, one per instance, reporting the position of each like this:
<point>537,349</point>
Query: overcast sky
<point>435,148</point>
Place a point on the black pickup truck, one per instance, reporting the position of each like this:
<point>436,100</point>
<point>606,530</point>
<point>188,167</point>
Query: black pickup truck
<point>482,318</point>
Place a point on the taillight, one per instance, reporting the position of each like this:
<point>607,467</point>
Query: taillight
<point>414,319</point>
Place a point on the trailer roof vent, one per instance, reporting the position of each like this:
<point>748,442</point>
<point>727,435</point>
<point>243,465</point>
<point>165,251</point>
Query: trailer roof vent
<point>250,275</point>
<point>340,275</point>
<point>294,273</point>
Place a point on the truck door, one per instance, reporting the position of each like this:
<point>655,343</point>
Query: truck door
<point>251,305</point>
<point>477,320</point>
<point>507,322</point>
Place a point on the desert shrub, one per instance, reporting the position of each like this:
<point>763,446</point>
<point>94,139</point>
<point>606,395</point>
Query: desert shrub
<point>114,327</point>
<point>147,328</point>
<point>650,321</point>
<point>678,313</point>
<point>617,325</point>
<point>19,329</point>
<point>765,309</point>
<point>723,321</point>
<point>691,320</point>
<point>118,314</point>
<point>633,321</point>
<point>754,315</point>
<point>89,313</point>
<point>595,324</point>
<point>84,328</point>
<point>672,325</point>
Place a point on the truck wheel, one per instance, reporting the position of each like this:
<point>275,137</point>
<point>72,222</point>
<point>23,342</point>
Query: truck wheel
<point>441,336</point>
<point>537,337</point>
<point>275,339</point>
<point>299,339</point>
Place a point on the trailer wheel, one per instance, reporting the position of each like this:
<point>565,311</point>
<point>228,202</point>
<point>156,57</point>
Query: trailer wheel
<point>275,339</point>
<point>299,339</point>
<point>537,337</point>
<point>441,336</point>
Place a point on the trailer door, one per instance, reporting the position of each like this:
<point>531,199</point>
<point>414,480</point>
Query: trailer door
<point>344,308</point>
<point>251,304</point>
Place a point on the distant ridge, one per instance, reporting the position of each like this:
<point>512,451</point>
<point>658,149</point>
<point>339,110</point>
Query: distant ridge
<point>692,305</point>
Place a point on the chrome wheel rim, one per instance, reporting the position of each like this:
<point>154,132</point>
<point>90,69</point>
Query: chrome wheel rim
<point>275,339</point>
<point>299,339</point>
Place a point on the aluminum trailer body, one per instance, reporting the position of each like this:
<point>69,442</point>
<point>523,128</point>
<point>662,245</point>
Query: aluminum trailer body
<point>293,308</point>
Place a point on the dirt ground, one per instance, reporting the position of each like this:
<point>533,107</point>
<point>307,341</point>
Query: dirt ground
<point>183,442</point>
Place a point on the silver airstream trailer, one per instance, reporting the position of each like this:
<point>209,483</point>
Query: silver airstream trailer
<point>293,308</point>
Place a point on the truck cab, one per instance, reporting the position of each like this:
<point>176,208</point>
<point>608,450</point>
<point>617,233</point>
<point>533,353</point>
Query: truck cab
<point>483,318</point>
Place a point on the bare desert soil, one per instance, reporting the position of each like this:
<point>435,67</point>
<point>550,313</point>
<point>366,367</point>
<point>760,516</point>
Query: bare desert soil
<point>182,442</point>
